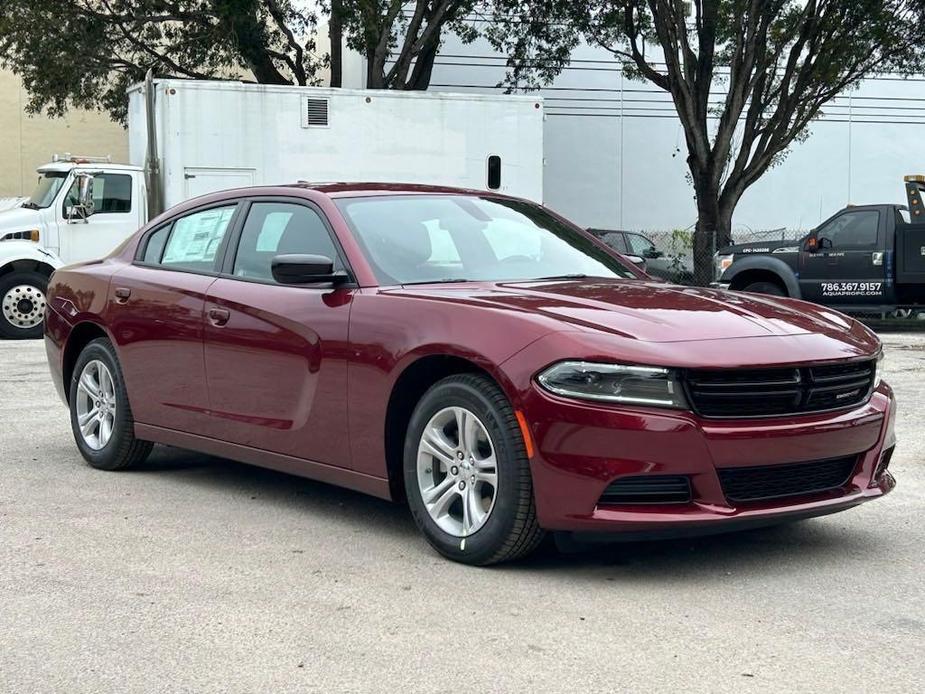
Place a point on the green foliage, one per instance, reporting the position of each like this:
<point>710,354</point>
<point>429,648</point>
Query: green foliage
<point>87,52</point>
<point>400,38</point>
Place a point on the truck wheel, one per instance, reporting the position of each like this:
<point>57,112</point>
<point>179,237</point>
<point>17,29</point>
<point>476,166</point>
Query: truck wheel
<point>765,288</point>
<point>101,418</point>
<point>22,304</point>
<point>467,476</point>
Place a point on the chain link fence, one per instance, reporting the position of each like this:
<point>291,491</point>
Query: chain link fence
<point>679,257</point>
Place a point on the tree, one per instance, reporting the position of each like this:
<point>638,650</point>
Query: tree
<point>747,77</point>
<point>401,45</point>
<point>87,52</point>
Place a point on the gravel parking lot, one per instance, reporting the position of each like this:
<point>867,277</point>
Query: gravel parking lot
<point>198,574</point>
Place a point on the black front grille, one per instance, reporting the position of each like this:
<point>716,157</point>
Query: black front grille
<point>775,481</point>
<point>770,392</point>
<point>648,489</point>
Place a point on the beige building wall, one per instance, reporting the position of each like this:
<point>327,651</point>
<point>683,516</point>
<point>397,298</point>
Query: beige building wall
<point>27,141</point>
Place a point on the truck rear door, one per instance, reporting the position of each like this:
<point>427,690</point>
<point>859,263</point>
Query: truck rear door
<point>847,266</point>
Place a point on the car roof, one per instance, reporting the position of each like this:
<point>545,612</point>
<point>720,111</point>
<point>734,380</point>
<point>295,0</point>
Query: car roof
<point>343,189</point>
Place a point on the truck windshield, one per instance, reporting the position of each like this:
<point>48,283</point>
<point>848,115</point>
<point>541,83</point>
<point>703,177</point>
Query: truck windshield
<point>418,239</point>
<point>46,190</point>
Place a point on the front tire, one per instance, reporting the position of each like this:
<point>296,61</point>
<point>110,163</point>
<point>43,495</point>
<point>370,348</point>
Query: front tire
<point>101,418</point>
<point>22,304</point>
<point>769,288</point>
<point>467,475</point>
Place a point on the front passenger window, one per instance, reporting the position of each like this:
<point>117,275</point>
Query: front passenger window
<point>851,230</point>
<point>280,228</point>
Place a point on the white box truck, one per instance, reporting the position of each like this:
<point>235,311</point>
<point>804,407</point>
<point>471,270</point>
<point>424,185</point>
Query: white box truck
<point>189,138</point>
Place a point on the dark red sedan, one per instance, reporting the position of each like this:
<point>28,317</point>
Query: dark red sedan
<point>475,354</point>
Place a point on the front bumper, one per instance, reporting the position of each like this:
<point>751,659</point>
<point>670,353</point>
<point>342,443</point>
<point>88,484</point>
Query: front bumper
<point>581,448</point>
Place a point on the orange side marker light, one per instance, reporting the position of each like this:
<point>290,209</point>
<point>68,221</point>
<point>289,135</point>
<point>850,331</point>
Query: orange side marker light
<point>525,432</point>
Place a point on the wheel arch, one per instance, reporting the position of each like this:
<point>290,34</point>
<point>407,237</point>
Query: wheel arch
<point>80,336</point>
<point>413,381</point>
<point>27,265</point>
<point>764,269</point>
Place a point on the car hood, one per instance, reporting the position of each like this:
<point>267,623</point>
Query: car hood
<point>647,311</point>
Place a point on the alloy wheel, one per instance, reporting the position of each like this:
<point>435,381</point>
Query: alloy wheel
<point>96,404</point>
<point>457,471</point>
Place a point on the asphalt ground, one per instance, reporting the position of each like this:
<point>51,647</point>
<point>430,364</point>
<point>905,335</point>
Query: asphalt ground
<point>198,574</point>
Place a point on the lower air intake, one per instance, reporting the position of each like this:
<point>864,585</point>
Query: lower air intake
<point>648,489</point>
<point>776,481</point>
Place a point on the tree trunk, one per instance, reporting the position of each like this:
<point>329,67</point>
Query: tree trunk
<point>336,35</point>
<point>713,231</point>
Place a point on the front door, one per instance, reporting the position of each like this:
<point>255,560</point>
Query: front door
<point>155,309</point>
<point>847,266</point>
<point>276,355</point>
<point>115,216</point>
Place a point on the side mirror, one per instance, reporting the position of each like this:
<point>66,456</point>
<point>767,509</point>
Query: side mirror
<point>298,268</point>
<point>83,208</point>
<point>638,261</point>
<point>653,253</point>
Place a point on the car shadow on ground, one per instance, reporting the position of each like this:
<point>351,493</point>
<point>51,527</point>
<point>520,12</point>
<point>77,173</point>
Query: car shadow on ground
<point>778,548</point>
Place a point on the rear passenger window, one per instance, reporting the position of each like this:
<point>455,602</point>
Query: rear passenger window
<point>155,248</point>
<point>280,228</point>
<point>195,239</point>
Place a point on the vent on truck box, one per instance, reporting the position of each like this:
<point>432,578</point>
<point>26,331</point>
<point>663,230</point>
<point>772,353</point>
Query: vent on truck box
<point>314,112</point>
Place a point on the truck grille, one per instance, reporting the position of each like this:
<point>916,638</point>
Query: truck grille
<point>776,481</point>
<point>648,489</point>
<point>775,392</point>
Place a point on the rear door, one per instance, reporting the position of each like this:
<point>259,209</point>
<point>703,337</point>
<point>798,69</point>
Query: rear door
<point>847,267</point>
<point>276,355</point>
<point>156,313</point>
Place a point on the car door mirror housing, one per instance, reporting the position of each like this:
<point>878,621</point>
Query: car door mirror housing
<point>638,261</point>
<point>652,253</point>
<point>299,268</point>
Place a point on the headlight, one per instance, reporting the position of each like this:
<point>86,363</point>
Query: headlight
<point>632,385</point>
<point>721,263</point>
<point>878,374</point>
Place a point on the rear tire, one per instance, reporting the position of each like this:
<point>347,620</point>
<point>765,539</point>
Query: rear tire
<point>769,288</point>
<point>22,305</point>
<point>101,418</point>
<point>489,513</point>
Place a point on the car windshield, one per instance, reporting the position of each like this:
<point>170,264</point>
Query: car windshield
<point>420,239</point>
<point>46,190</point>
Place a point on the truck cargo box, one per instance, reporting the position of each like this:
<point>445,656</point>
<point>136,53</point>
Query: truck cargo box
<point>214,135</point>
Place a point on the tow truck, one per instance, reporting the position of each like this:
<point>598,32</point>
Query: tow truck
<point>864,259</point>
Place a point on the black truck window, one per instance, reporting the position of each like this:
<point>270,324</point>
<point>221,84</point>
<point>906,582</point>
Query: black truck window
<point>851,230</point>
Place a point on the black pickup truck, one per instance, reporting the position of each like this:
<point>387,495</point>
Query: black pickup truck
<point>863,259</point>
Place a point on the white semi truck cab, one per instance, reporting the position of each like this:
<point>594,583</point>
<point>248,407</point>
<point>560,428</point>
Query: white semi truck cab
<point>51,228</point>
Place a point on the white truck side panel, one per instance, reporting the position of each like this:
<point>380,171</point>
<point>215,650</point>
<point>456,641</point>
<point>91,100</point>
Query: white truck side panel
<point>229,134</point>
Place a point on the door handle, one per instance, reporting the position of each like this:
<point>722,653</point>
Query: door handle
<point>122,294</point>
<point>219,316</point>
<point>877,257</point>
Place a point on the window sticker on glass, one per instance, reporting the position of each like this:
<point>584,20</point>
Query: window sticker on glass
<point>195,239</point>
